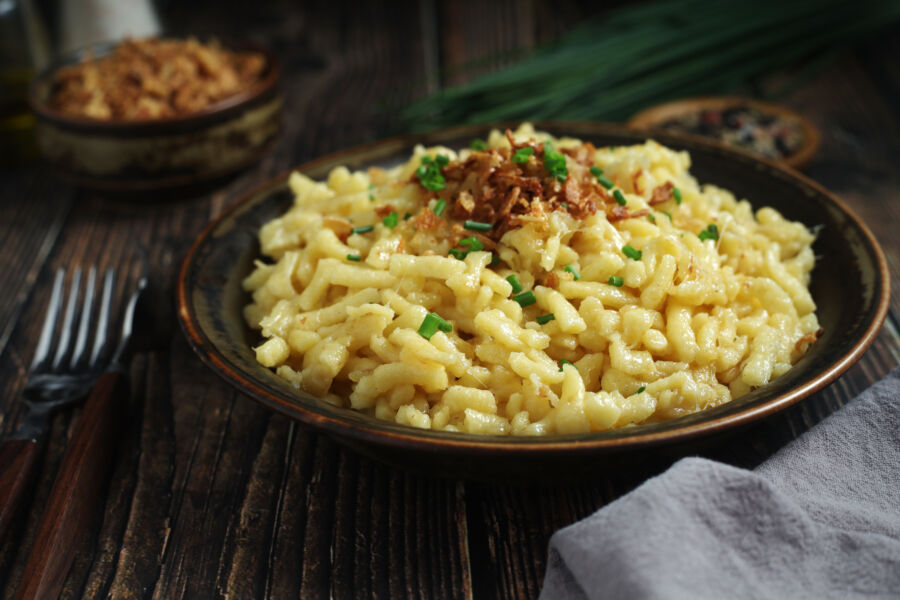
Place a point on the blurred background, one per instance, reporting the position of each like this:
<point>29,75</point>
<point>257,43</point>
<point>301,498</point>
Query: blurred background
<point>377,68</point>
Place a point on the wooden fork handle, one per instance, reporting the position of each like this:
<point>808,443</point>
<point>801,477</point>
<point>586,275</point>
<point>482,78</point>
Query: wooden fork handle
<point>76,497</point>
<point>18,459</point>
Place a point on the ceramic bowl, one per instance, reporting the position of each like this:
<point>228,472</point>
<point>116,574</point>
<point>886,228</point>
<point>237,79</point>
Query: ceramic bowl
<point>159,154</point>
<point>849,285</point>
<point>655,116</point>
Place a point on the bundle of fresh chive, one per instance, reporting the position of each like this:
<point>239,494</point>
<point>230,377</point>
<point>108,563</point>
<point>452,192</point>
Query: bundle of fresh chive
<point>618,63</point>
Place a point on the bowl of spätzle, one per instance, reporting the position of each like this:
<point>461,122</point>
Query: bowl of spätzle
<point>483,300</point>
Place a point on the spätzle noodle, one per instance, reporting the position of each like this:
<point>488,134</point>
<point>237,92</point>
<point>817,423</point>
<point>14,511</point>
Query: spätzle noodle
<point>679,300</point>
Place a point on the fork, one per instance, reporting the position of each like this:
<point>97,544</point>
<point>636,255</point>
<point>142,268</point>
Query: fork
<point>71,510</point>
<point>57,378</point>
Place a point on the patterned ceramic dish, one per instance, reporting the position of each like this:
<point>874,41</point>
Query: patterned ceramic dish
<point>158,154</point>
<point>849,285</point>
<point>760,121</point>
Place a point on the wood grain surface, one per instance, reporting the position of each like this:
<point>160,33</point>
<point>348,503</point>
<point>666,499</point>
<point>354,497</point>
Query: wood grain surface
<point>212,495</point>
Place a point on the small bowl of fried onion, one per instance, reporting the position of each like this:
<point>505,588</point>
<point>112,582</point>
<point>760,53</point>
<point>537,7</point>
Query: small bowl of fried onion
<point>156,115</point>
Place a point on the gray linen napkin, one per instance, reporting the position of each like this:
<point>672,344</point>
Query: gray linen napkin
<point>820,519</point>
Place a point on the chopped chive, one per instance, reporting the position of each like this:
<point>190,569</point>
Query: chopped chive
<point>522,155</point>
<point>676,193</point>
<point>710,233</point>
<point>474,244</point>
<point>478,226</point>
<point>544,319</point>
<point>565,362</point>
<point>612,148</point>
<point>495,260</point>
<point>573,271</point>
<point>564,206</point>
<point>429,325</point>
<point>555,162</point>
<point>525,299</point>
<point>432,323</point>
<point>514,282</point>
<point>371,198</point>
<point>363,229</point>
<point>605,182</point>
<point>596,171</point>
<point>354,257</point>
<point>371,186</point>
<point>616,280</point>
<point>620,197</point>
<point>652,219</point>
<point>477,144</point>
<point>391,220</point>
<point>429,173</point>
<point>407,216</point>
<point>667,213</point>
<point>439,207</point>
<point>631,252</point>
<point>641,389</point>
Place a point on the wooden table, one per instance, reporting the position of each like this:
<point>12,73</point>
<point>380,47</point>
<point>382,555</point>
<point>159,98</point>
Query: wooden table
<point>212,494</point>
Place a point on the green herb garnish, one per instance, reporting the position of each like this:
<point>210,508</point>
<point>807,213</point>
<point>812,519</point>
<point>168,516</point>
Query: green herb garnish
<point>522,155</point>
<point>710,233</point>
<point>575,274</point>
<point>565,362</point>
<point>620,197</point>
<point>607,183</point>
<point>616,281</point>
<point>354,257</point>
<point>555,162</point>
<point>676,193</point>
<point>525,299</point>
<point>474,244</point>
<point>363,229</point>
<point>631,252</point>
<point>429,173</point>
<point>641,389</point>
<point>514,282</point>
<point>544,319</point>
<point>478,226</point>
<point>391,220</point>
<point>478,144</point>
<point>432,323</point>
<point>439,207</point>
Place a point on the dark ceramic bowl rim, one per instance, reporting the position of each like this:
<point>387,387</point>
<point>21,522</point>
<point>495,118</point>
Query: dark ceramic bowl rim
<point>220,110</point>
<point>570,444</point>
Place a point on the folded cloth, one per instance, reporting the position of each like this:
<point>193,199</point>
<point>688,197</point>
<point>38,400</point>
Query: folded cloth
<point>820,519</point>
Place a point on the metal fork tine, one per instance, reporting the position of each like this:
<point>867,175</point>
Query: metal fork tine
<point>79,354</point>
<point>65,334</point>
<point>101,337</point>
<point>42,352</point>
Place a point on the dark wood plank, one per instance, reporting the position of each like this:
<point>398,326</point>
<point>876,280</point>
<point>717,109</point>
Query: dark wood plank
<point>33,209</point>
